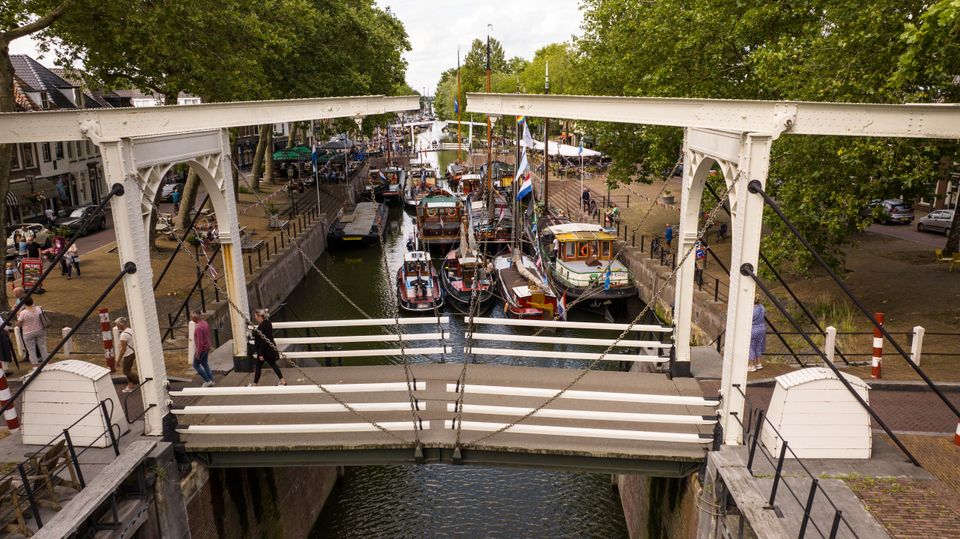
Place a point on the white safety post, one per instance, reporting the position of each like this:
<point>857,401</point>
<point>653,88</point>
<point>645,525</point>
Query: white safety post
<point>192,345</point>
<point>118,167</point>
<point>830,343</point>
<point>917,345</point>
<point>18,340</point>
<point>68,345</point>
<point>747,212</point>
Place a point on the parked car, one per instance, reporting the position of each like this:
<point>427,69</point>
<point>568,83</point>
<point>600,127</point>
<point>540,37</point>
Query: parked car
<point>892,210</point>
<point>40,235</point>
<point>78,215</point>
<point>166,192</point>
<point>937,221</point>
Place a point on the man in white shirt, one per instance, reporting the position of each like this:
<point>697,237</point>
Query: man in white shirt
<point>126,353</point>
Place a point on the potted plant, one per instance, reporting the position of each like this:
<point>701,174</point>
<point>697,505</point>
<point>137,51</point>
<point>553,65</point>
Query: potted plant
<point>668,197</point>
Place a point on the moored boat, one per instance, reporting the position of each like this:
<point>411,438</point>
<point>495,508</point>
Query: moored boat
<point>467,281</point>
<point>418,284</point>
<point>439,217</point>
<point>362,226</point>
<point>421,181</point>
<point>585,262</point>
<point>396,181</point>
<point>525,290</point>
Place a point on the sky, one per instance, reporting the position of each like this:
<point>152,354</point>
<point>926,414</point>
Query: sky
<point>437,27</point>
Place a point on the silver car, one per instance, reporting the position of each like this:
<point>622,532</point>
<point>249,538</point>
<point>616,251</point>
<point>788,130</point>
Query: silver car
<point>937,221</point>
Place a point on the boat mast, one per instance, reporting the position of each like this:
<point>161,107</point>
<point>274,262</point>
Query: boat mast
<point>517,219</point>
<point>489,141</point>
<point>457,103</point>
<point>546,148</point>
<point>388,145</point>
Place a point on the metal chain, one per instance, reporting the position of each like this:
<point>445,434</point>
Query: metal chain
<point>636,320</point>
<point>408,376</point>
<point>472,311</point>
<point>272,344</point>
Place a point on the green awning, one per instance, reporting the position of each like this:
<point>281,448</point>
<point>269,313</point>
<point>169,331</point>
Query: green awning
<point>297,153</point>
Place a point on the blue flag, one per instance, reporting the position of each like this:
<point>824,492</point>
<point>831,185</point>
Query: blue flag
<point>606,280</point>
<point>456,105</point>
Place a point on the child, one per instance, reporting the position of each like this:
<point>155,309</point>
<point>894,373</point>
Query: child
<point>11,273</point>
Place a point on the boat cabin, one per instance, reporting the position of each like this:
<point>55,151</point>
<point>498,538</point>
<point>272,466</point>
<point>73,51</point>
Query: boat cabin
<point>586,246</point>
<point>439,218</point>
<point>416,263</point>
<point>471,184</point>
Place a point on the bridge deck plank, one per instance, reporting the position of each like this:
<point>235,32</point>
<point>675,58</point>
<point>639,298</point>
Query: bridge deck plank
<point>434,401</point>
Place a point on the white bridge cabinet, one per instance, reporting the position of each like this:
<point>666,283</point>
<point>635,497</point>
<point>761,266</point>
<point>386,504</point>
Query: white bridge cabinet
<point>61,394</point>
<point>818,416</point>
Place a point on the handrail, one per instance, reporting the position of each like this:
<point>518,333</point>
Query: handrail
<point>757,420</point>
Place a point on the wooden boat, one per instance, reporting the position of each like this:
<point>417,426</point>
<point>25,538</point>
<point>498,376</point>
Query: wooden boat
<point>418,284</point>
<point>466,279</point>
<point>439,216</point>
<point>586,261</point>
<point>364,225</point>
<point>496,235</point>
<point>396,181</point>
<point>422,180</point>
<point>525,290</point>
<point>471,185</point>
<point>376,185</point>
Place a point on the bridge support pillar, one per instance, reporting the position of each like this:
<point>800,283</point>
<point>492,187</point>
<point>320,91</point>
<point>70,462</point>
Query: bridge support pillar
<point>747,210</point>
<point>133,246</point>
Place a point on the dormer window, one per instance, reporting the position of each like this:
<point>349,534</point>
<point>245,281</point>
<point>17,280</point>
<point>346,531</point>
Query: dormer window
<point>45,100</point>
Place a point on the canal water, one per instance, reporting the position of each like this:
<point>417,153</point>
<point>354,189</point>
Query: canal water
<point>443,500</point>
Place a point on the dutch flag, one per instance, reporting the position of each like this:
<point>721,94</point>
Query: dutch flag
<point>527,186</point>
<point>562,307</point>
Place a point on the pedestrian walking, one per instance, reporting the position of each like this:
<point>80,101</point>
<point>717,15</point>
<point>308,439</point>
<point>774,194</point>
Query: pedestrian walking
<point>33,248</point>
<point>201,347</point>
<point>266,347</point>
<point>585,200</point>
<point>668,235</point>
<point>175,198</point>
<point>722,231</point>
<point>50,216</point>
<point>758,337</point>
<point>33,323</point>
<point>73,254</point>
<point>126,353</point>
<point>60,248</point>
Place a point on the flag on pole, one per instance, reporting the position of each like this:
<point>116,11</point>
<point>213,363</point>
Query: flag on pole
<point>315,155</point>
<point>606,279</point>
<point>456,106</point>
<point>580,149</point>
<point>526,187</point>
<point>527,138</point>
<point>520,119</point>
<point>562,307</point>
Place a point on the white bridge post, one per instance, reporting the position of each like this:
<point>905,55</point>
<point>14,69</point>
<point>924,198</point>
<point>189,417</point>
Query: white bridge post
<point>747,219</point>
<point>132,246</point>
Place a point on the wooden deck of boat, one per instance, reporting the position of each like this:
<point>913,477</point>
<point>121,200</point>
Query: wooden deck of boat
<point>438,440</point>
<point>361,220</point>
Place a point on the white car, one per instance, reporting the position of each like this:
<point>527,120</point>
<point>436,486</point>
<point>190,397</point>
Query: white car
<point>937,221</point>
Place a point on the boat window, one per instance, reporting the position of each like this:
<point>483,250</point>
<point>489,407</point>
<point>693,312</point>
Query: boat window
<point>431,212</point>
<point>587,249</point>
<point>570,250</point>
<point>451,212</point>
<point>605,245</point>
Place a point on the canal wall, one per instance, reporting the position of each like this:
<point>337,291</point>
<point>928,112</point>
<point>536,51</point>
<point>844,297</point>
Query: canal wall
<point>659,507</point>
<point>229,503</point>
<point>709,316</point>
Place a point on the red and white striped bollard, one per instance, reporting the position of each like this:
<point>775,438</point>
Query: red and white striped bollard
<point>107,335</point>
<point>10,414</point>
<point>877,348</point>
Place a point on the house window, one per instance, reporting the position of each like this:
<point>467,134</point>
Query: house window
<point>70,150</point>
<point>59,150</point>
<point>81,149</point>
<point>46,152</point>
<point>29,160</point>
<point>15,158</point>
<point>90,149</point>
<point>45,100</point>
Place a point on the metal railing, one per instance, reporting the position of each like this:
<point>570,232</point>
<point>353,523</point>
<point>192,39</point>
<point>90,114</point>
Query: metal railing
<point>755,426</point>
<point>30,475</point>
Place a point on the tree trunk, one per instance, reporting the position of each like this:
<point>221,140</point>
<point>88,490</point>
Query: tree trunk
<point>953,239</point>
<point>292,135</point>
<point>187,199</point>
<point>257,169</point>
<point>268,156</point>
<point>6,150</point>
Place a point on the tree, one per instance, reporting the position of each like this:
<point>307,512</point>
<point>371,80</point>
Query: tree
<point>17,20</point>
<point>807,50</point>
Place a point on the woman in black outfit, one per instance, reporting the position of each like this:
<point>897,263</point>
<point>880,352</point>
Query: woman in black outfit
<point>266,347</point>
